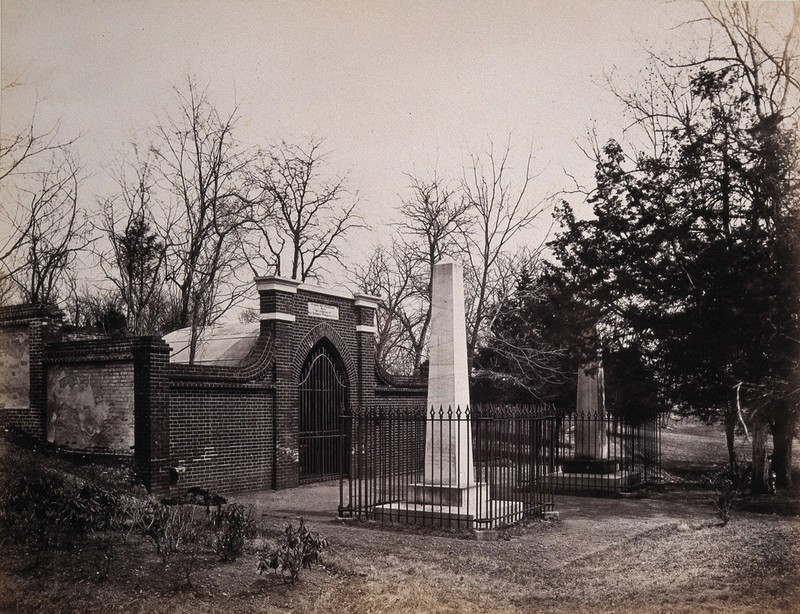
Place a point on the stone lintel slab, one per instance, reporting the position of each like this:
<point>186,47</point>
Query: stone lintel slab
<point>591,465</point>
<point>495,514</point>
<point>446,495</point>
<point>591,482</point>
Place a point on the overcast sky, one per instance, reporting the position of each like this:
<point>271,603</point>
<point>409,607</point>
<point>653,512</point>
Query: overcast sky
<point>392,87</point>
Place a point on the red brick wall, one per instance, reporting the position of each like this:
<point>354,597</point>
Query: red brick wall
<point>222,428</point>
<point>221,435</point>
<point>39,323</point>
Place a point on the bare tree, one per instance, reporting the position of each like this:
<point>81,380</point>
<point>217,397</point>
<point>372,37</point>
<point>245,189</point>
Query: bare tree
<point>751,39</point>
<point>500,212</point>
<point>299,218</point>
<point>135,259</point>
<point>6,290</point>
<point>19,149</point>
<point>48,228</point>
<point>201,166</point>
<point>433,219</point>
<point>394,275</point>
<point>516,353</point>
<point>24,156</point>
<point>479,223</point>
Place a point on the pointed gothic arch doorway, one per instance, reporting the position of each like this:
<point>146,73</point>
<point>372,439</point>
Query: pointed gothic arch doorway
<point>323,396</point>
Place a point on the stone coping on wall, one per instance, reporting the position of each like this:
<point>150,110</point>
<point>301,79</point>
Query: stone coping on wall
<point>254,367</point>
<point>22,314</point>
<point>292,286</point>
<point>101,350</point>
<point>392,381</point>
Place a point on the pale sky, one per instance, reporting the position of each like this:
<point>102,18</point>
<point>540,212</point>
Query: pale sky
<point>392,87</point>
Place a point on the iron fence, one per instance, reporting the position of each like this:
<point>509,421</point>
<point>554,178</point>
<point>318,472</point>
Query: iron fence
<point>475,468</point>
<point>413,465</point>
<point>605,454</point>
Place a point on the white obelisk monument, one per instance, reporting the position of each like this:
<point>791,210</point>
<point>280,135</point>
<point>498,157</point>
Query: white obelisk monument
<point>448,436</point>
<point>448,492</point>
<point>590,429</point>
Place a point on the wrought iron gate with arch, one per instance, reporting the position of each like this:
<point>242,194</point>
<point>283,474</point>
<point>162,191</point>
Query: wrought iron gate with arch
<point>322,392</point>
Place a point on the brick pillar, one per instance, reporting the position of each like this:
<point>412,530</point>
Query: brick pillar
<point>38,375</point>
<point>278,316</point>
<point>44,326</point>
<point>151,413</point>
<point>366,306</point>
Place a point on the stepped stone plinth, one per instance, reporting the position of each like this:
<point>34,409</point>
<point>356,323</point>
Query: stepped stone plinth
<point>592,469</point>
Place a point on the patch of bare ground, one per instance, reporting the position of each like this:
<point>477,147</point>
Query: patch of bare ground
<point>665,552</point>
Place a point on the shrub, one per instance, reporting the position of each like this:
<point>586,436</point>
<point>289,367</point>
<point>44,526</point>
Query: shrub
<point>36,509</point>
<point>233,528</point>
<point>729,482</point>
<point>44,509</point>
<point>197,496</point>
<point>136,514</point>
<point>171,526</point>
<point>296,549</point>
<point>95,509</point>
<point>178,531</point>
<point>723,501</point>
<point>739,475</point>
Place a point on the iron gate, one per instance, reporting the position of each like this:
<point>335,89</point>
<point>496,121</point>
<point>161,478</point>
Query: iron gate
<point>323,397</point>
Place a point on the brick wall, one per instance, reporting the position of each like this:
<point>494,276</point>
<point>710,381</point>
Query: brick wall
<point>15,382</point>
<point>299,316</point>
<point>90,407</point>
<point>151,371</point>
<point>226,429</point>
<point>221,434</point>
<point>30,326</point>
<point>112,396</point>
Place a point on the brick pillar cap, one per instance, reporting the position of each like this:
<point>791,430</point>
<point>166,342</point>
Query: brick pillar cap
<point>367,300</point>
<point>280,284</point>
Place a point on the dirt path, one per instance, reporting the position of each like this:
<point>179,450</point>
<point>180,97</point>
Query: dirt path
<point>666,553</point>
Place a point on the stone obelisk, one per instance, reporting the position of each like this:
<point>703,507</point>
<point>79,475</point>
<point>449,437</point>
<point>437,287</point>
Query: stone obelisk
<point>448,436</point>
<point>590,429</point>
<point>448,492</point>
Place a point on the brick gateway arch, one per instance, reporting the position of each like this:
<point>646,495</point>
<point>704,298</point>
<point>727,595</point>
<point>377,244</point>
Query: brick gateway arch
<point>323,395</point>
<point>227,426</point>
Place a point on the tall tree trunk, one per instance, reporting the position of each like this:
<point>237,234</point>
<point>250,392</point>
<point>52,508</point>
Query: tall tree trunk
<point>193,343</point>
<point>759,483</point>
<point>782,438</point>
<point>730,432</point>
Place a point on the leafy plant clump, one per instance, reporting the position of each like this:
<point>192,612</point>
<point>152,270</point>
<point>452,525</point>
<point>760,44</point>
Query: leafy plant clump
<point>44,510</point>
<point>729,482</point>
<point>723,501</point>
<point>297,548</point>
<point>233,528</point>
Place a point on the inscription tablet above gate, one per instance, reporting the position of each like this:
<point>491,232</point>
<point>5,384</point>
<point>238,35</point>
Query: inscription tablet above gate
<point>326,312</point>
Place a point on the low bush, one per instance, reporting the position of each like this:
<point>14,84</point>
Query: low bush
<point>43,510</point>
<point>197,496</point>
<point>296,549</point>
<point>172,526</point>
<point>729,482</point>
<point>233,528</point>
<point>723,500</point>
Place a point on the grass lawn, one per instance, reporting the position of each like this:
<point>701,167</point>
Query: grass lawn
<point>665,552</point>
